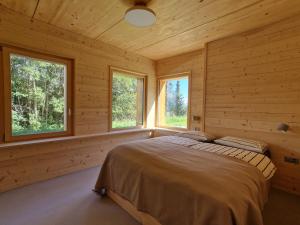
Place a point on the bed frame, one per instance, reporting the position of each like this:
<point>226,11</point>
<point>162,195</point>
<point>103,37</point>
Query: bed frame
<point>143,218</point>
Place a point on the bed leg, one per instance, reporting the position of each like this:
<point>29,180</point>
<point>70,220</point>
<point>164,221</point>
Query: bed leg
<point>102,192</point>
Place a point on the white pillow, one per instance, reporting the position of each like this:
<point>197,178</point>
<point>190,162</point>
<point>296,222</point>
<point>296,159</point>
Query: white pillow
<point>196,135</point>
<point>247,144</point>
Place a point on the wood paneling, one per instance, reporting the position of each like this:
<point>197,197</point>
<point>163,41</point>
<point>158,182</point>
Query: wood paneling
<point>173,18</point>
<point>23,164</point>
<point>158,132</point>
<point>253,84</point>
<point>193,62</point>
<point>252,16</point>
<point>182,25</point>
<point>92,60</point>
<point>24,7</point>
<point>90,18</point>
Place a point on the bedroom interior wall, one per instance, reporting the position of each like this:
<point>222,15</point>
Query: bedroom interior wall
<point>26,164</point>
<point>253,84</point>
<point>192,62</point>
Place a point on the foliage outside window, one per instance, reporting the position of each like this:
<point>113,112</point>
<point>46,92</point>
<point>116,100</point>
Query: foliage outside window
<point>37,95</point>
<point>173,102</point>
<point>128,94</point>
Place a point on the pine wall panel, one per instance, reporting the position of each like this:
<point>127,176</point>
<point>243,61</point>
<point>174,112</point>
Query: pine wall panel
<point>253,84</point>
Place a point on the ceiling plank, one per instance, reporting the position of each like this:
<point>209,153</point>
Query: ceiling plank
<point>182,25</point>
<point>258,15</point>
<point>173,17</point>
<point>89,18</point>
<point>25,7</point>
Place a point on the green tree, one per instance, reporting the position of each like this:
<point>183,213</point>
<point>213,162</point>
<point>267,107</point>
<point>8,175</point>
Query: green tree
<point>180,108</point>
<point>37,95</point>
<point>170,98</point>
<point>124,99</point>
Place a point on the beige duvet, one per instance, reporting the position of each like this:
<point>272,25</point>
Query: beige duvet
<point>183,186</point>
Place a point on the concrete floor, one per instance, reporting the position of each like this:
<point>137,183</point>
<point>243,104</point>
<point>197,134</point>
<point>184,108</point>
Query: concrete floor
<point>68,200</point>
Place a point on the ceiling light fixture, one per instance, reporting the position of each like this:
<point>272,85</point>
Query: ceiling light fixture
<point>140,16</point>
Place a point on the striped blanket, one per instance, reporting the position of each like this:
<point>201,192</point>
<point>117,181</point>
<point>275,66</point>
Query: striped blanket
<point>260,161</point>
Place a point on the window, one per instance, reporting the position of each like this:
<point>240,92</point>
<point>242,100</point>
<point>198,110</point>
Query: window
<point>173,101</point>
<point>127,99</point>
<point>37,95</point>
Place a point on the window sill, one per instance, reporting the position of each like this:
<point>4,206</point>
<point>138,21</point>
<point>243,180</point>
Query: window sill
<point>175,129</point>
<point>74,137</point>
<point>126,128</point>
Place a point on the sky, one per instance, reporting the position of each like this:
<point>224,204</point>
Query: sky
<point>184,87</point>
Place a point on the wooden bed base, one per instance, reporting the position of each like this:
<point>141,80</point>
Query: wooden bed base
<point>143,218</point>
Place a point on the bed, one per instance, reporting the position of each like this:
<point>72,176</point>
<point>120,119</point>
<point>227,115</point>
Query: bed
<point>180,181</point>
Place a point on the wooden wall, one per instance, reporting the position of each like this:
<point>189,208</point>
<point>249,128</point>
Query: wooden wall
<point>192,62</point>
<point>253,84</point>
<point>92,61</point>
<point>28,163</point>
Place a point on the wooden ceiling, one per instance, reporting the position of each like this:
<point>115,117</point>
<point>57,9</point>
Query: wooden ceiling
<point>182,25</point>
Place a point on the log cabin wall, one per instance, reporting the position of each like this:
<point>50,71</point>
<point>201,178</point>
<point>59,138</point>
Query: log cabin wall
<point>192,62</point>
<point>253,84</point>
<point>20,165</point>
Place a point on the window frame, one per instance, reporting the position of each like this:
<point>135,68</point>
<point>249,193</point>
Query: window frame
<point>2,125</point>
<point>166,77</point>
<point>134,74</point>
<point>8,137</point>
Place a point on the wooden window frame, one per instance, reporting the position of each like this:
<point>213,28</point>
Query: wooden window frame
<point>132,74</point>
<point>6,51</point>
<point>2,125</point>
<point>187,74</point>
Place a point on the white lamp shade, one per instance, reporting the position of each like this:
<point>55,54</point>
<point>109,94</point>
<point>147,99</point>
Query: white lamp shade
<point>140,16</point>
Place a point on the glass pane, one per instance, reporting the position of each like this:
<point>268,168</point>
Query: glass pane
<point>38,96</point>
<point>127,101</point>
<point>174,102</point>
